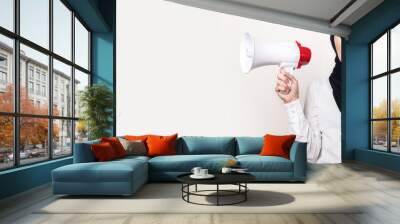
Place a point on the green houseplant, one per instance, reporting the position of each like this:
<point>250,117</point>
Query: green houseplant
<point>96,102</point>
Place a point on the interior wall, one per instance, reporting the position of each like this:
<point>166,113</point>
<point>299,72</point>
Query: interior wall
<point>356,128</point>
<point>103,62</point>
<point>178,72</point>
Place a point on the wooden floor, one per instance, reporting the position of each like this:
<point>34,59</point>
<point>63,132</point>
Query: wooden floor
<point>378,189</point>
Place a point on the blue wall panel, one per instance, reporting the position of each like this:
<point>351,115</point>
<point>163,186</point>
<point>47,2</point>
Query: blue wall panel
<point>103,63</point>
<point>102,58</point>
<point>24,178</point>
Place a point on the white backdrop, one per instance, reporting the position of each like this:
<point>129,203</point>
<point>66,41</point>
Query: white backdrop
<point>178,72</point>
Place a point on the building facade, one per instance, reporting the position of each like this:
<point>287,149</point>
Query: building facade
<point>34,81</point>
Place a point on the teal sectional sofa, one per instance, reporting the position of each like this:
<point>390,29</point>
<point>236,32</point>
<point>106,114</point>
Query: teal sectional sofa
<point>125,176</point>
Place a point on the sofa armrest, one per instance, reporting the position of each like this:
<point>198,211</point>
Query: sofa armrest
<point>83,152</point>
<point>298,155</point>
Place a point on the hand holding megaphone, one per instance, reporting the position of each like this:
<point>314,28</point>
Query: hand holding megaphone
<point>289,56</point>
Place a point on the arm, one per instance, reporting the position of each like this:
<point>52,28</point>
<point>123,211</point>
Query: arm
<point>305,128</point>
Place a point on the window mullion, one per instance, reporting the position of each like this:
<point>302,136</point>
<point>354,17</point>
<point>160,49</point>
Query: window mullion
<point>50,77</point>
<point>73,82</point>
<point>16,84</point>
<point>389,104</point>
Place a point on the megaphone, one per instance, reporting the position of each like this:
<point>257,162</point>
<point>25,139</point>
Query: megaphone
<point>289,56</point>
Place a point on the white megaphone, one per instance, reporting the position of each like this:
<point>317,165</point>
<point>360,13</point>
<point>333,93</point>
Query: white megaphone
<point>289,56</point>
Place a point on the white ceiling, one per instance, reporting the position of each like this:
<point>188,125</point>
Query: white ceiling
<point>315,15</point>
<point>320,9</point>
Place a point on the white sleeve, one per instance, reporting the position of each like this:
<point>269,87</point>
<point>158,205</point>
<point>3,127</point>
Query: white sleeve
<point>305,128</point>
<point>298,123</point>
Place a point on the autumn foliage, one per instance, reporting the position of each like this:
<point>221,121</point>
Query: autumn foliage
<point>380,127</point>
<point>33,131</point>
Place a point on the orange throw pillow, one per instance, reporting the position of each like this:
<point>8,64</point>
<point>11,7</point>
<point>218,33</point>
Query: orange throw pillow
<point>277,145</point>
<point>161,145</point>
<point>136,138</point>
<point>116,145</point>
<point>103,152</point>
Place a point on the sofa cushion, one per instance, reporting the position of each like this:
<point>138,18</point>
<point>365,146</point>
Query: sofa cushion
<point>112,171</point>
<point>257,163</point>
<point>249,145</point>
<point>116,145</point>
<point>83,152</point>
<point>103,152</point>
<point>161,145</point>
<point>277,145</point>
<point>135,147</point>
<point>185,163</point>
<point>194,145</point>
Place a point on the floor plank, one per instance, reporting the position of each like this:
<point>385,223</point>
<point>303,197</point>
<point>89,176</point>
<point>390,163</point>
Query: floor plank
<point>378,190</point>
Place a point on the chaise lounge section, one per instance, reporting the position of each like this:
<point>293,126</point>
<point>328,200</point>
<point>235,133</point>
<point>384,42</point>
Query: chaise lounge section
<point>125,176</point>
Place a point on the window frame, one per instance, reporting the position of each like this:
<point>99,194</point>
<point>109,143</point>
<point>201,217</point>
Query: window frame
<point>388,74</point>
<point>16,114</point>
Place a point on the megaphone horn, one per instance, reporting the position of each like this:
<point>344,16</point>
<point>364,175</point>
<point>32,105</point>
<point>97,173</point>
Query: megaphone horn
<point>290,55</point>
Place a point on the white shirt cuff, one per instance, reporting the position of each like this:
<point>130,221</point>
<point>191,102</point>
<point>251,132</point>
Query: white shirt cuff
<point>293,107</point>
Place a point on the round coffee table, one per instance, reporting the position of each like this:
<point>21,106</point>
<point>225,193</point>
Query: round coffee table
<point>238,179</point>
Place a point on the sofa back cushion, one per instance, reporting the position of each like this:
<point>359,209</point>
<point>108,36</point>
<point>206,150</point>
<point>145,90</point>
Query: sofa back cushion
<point>161,145</point>
<point>83,152</point>
<point>196,145</point>
<point>249,145</point>
<point>104,152</point>
<point>277,145</point>
<point>116,145</point>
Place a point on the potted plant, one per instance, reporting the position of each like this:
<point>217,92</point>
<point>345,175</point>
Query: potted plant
<point>96,102</point>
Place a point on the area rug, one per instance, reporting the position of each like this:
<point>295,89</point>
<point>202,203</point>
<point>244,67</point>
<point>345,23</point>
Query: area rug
<point>166,198</point>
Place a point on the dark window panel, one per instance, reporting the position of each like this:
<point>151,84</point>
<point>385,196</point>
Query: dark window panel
<point>81,82</point>
<point>6,142</point>
<point>32,59</point>
<point>7,14</point>
<point>62,89</point>
<point>379,98</point>
<point>6,74</point>
<point>81,45</point>
<point>379,135</point>
<point>62,138</point>
<point>62,29</point>
<point>34,21</point>
<point>34,144</point>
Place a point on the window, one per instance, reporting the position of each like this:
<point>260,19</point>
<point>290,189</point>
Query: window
<point>37,89</point>
<point>62,30</point>
<point>81,82</point>
<point>30,87</point>
<point>45,120</point>
<point>37,74</point>
<point>44,91</point>
<point>61,75</point>
<point>30,72</point>
<point>6,142</point>
<point>34,21</point>
<point>3,61</point>
<point>7,14</point>
<point>385,92</point>
<point>3,78</point>
<point>62,137</point>
<point>6,72</point>
<point>81,45</point>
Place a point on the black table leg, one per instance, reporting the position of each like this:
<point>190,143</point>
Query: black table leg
<point>245,193</point>
<point>196,187</point>
<point>188,190</point>
<point>217,194</point>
